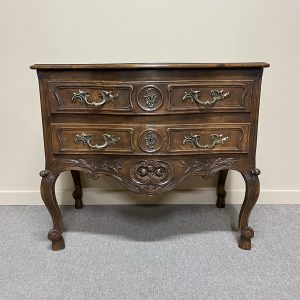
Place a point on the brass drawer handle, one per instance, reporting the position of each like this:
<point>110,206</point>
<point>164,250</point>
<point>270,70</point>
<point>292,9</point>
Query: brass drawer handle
<point>216,139</point>
<point>216,95</point>
<point>87,139</point>
<point>83,97</point>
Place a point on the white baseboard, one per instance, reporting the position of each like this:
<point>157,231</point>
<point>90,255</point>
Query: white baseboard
<point>100,197</point>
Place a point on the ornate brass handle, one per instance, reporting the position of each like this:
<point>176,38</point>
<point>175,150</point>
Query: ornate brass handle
<point>87,139</point>
<point>83,97</point>
<point>215,140</point>
<point>216,95</point>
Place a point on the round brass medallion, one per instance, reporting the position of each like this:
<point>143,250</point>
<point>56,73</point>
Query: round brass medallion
<point>150,140</point>
<point>150,98</point>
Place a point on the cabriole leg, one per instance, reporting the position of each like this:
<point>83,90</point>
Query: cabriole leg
<point>221,193</point>
<point>251,196</point>
<point>48,196</point>
<point>77,194</point>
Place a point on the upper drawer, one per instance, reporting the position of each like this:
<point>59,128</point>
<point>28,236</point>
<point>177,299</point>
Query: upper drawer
<point>75,97</point>
<point>155,97</point>
<point>210,96</point>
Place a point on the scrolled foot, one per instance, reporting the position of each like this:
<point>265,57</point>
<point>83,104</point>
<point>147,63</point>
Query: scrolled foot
<point>58,242</point>
<point>245,241</point>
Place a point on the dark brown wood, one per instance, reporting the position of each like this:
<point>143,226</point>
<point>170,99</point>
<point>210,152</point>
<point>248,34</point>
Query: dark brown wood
<point>150,126</point>
<point>221,193</point>
<point>152,66</point>
<point>251,196</point>
<point>77,194</point>
<point>48,196</point>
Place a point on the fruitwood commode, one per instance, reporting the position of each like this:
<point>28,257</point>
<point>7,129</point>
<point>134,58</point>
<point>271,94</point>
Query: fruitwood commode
<point>150,126</point>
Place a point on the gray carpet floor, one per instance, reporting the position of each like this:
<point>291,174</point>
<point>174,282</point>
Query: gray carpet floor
<point>150,252</point>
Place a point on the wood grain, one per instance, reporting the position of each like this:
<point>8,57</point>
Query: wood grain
<point>169,122</point>
<point>152,66</point>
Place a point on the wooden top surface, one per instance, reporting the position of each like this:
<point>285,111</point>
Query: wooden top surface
<point>151,66</point>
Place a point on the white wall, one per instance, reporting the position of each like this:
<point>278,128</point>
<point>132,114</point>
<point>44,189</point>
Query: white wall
<point>95,31</point>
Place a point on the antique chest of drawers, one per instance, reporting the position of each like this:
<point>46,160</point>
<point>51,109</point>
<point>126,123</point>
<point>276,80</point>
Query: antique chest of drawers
<point>150,126</point>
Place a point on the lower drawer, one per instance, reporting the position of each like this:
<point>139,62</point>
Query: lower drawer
<point>141,139</point>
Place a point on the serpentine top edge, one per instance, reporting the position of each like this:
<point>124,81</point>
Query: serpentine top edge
<point>119,66</point>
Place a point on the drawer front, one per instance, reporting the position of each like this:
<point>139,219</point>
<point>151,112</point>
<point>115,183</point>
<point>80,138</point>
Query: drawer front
<point>75,139</point>
<point>157,97</point>
<point>90,97</point>
<point>210,96</point>
<point>145,140</point>
<point>209,138</point>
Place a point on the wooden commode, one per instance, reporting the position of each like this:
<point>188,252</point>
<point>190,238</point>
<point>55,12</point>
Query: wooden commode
<point>150,126</point>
